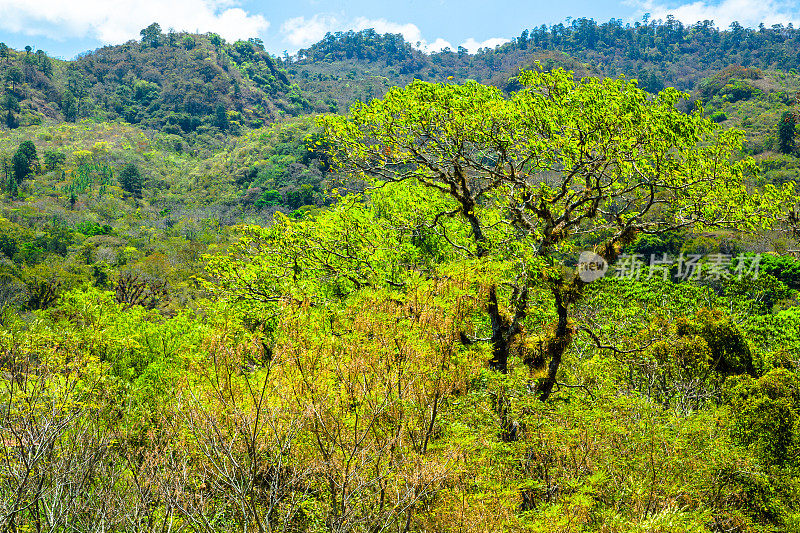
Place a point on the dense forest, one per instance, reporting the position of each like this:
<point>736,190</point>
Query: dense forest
<point>550,286</point>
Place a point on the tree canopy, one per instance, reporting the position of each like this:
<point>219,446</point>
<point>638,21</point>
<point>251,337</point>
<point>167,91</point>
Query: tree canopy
<point>151,34</point>
<point>558,166</point>
<point>25,161</point>
<point>130,179</point>
<point>787,132</point>
<point>371,350</point>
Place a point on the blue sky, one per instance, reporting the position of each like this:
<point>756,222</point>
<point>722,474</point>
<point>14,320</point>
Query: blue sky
<point>67,28</point>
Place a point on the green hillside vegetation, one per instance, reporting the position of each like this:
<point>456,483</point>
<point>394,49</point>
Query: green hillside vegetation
<point>178,83</point>
<point>30,92</point>
<point>75,219</point>
<point>347,66</point>
<point>759,103</point>
<point>72,158</point>
<point>311,294</point>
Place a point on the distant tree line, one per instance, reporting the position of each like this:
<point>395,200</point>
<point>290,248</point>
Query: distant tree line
<point>659,53</point>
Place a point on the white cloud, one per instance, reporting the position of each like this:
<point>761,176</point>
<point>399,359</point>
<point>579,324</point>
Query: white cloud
<point>438,45</point>
<point>119,21</point>
<point>410,32</point>
<point>749,13</point>
<point>301,32</point>
<point>473,46</point>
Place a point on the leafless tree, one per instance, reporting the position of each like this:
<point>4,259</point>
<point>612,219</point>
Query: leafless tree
<point>51,448</point>
<point>133,289</point>
<point>242,468</point>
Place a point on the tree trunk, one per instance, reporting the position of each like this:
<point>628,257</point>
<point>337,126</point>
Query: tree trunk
<point>556,346</point>
<point>500,330</point>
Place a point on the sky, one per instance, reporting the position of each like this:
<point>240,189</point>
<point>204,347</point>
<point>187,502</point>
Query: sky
<point>64,29</point>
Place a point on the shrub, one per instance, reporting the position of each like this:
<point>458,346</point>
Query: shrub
<point>766,415</point>
<point>130,179</point>
<point>719,116</point>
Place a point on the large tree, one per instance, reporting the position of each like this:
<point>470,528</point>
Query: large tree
<point>11,106</point>
<point>130,179</point>
<point>69,106</point>
<point>561,164</point>
<point>13,77</point>
<point>787,132</point>
<point>25,161</point>
<point>151,35</point>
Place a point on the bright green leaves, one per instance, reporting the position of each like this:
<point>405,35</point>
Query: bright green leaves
<point>419,127</point>
<point>328,256</point>
<point>522,182</point>
<point>559,166</point>
<point>558,157</point>
<point>767,415</point>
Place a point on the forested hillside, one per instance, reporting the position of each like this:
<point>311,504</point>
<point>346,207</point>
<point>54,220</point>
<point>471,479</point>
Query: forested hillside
<point>175,82</point>
<point>658,54</point>
<point>551,286</point>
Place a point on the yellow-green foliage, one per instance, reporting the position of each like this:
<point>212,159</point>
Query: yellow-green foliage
<point>329,371</point>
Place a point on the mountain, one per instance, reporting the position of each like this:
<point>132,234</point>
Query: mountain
<point>191,84</point>
<point>347,66</point>
<point>178,83</point>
